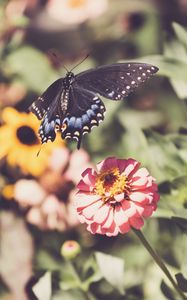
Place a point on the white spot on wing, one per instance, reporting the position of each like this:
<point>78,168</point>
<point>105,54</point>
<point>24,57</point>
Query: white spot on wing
<point>111,94</point>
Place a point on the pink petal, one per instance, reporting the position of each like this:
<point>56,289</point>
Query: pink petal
<point>136,222</point>
<point>142,172</point>
<point>124,228</point>
<point>139,209</point>
<point>109,220</point>
<point>107,164</point>
<point>90,210</point>
<point>119,197</point>
<point>120,216</point>
<point>113,230</point>
<point>139,181</point>
<point>89,171</point>
<point>121,220</point>
<point>85,200</point>
<point>90,177</point>
<point>102,214</point>
<point>138,197</point>
<point>156,197</point>
<point>131,168</point>
<point>122,163</point>
<point>92,227</point>
<point>82,186</point>
<point>148,210</point>
<point>129,209</point>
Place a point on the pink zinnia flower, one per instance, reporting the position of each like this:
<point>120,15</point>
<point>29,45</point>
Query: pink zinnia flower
<point>117,197</point>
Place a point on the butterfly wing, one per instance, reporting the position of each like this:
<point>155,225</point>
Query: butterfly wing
<point>40,106</point>
<point>50,122</point>
<point>115,81</point>
<point>85,111</point>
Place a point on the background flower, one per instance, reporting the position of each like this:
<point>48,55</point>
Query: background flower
<point>117,197</point>
<point>48,203</point>
<point>75,11</point>
<point>20,142</point>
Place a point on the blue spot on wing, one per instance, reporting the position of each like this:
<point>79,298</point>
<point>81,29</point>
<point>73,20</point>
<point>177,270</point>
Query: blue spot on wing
<point>76,127</point>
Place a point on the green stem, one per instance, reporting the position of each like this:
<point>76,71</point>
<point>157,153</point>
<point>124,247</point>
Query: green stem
<point>159,262</point>
<point>87,294</point>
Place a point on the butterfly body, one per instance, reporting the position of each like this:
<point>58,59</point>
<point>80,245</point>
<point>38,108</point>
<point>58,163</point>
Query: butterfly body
<point>72,104</point>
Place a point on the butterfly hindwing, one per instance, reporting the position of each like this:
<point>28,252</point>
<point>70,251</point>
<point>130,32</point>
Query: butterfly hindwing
<point>115,81</point>
<point>85,111</point>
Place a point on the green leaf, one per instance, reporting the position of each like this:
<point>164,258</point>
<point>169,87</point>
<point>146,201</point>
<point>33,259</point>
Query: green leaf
<point>46,261</point>
<point>181,33</point>
<point>72,295</point>
<point>91,273</point>
<point>164,159</point>
<point>179,189</point>
<point>182,282</point>
<point>31,67</point>
<point>112,269</point>
<point>42,289</point>
<point>144,119</point>
<point>70,279</point>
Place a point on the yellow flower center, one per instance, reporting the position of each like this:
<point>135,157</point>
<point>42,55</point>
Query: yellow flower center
<point>110,183</point>
<point>26,135</point>
<point>76,3</point>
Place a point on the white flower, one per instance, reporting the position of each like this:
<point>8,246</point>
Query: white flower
<point>71,12</point>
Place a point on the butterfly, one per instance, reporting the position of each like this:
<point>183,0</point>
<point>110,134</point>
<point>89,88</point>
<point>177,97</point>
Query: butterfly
<point>72,105</point>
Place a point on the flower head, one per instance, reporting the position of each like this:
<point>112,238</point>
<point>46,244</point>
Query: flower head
<point>20,142</point>
<point>72,12</point>
<point>117,197</point>
<point>48,202</point>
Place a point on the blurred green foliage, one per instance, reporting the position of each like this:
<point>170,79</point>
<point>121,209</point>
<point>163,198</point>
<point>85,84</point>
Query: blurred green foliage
<point>150,126</point>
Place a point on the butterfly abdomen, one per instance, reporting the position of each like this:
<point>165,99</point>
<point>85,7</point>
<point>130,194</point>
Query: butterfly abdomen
<point>64,100</point>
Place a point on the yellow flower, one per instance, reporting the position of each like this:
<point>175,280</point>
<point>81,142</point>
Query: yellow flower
<point>20,143</point>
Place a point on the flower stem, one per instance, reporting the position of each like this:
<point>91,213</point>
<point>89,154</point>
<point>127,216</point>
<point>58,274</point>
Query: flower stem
<point>159,262</point>
<point>86,294</point>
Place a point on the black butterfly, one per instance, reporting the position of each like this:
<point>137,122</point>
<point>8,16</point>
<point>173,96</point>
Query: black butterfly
<point>72,104</point>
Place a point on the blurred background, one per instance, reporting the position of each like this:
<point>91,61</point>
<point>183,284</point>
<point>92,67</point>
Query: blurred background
<point>37,39</point>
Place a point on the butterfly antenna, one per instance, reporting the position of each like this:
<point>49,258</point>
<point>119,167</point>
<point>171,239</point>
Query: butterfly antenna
<point>55,56</point>
<point>39,151</point>
<point>65,68</point>
<point>80,62</point>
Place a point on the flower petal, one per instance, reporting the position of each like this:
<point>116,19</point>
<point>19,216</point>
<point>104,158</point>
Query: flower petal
<point>131,168</point>
<point>138,197</point>
<point>102,214</point>
<point>91,210</point>
<point>119,216</point>
<point>107,224</point>
<point>136,222</point>
<point>119,197</point>
<point>82,186</point>
<point>85,200</point>
<point>107,164</point>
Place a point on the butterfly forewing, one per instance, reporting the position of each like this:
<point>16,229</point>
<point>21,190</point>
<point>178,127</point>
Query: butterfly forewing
<point>116,81</point>
<point>42,103</point>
